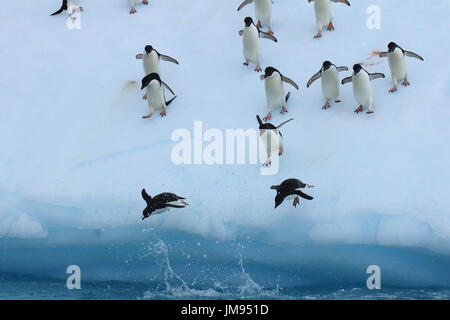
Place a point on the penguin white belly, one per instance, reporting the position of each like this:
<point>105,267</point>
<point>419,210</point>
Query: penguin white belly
<point>330,84</point>
<point>290,197</point>
<point>362,89</point>
<point>324,15</point>
<point>397,65</point>
<point>159,211</point>
<point>272,141</point>
<point>274,92</point>
<point>251,44</point>
<point>155,96</point>
<point>263,12</point>
<point>151,63</point>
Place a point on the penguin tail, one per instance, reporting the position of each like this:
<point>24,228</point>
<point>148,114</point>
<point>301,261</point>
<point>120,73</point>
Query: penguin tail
<point>274,188</point>
<point>287,96</point>
<point>170,101</point>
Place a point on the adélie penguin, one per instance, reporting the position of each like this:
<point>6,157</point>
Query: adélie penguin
<point>271,137</point>
<point>397,64</point>
<point>263,12</point>
<point>362,88</point>
<point>324,14</point>
<point>161,203</point>
<point>250,42</point>
<point>134,2</point>
<point>330,82</point>
<point>291,189</point>
<point>66,4</point>
<point>155,93</point>
<point>273,83</point>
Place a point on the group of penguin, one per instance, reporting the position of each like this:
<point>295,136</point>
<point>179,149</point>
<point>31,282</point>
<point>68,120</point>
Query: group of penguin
<point>274,88</point>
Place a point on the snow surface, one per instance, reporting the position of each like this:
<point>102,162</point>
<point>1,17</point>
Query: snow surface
<point>75,152</point>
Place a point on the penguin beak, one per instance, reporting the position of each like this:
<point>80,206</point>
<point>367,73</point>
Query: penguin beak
<point>262,77</point>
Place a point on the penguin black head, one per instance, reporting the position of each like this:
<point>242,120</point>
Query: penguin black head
<point>248,21</point>
<point>326,65</point>
<point>357,68</point>
<point>392,46</point>
<point>269,71</point>
<point>148,49</point>
<point>149,78</point>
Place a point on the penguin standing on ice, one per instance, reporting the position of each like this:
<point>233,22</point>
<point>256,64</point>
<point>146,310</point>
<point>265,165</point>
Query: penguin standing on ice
<point>330,82</point>
<point>134,2</point>
<point>66,4</point>
<point>362,88</point>
<point>273,83</point>
<point>324,14</point>
<point>161,203</point>
<point>271,137</point>
<point>396,56</point>
<point>250,41</point>
<point>151,58</point>
<point>263,12</point>
<point>290,189</point>
<point>155,93</point>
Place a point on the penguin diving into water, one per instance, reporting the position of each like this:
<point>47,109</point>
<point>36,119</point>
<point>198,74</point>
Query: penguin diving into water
<point>271,137</point>
<point>263,12</point>
<point>155,93</point>
<point>66,4</point>
<point>250,41</point>
<point>324,14</point>
<point>330,82</point>
<point>273,83</point>
<point>133,2</point>
<point>290,189</point>
<point>362,88</point>
<point>397,64</point>
<point>161,203</point>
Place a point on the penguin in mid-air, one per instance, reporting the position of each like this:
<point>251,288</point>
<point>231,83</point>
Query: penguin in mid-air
<point>250,41</point>
<point>271,137</point>
<point>397,64</point>
<point>67,4</point>
<point>134,2</point>
<point>324,14</point>
<point>273,83</point>
<point>290,189</point>
<point>161,203</point>
<point>330,82</point>
<point>155,93</point>
<point>362,88</point>
<point>263,12</point>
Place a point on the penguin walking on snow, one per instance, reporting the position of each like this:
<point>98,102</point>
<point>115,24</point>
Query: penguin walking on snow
<point>290,189</point>
<point>250,41</point>
<point>134,2</point>
<point>397,64</point>
<point>330,82</point>
<point>161,203</point>
<point>263,12</point>
<point>66,4</point>
<point>155,93</point>
<point>362,88</point>
<point>273,83</point>
<point>324,14</point>
<point>271,137</point>
<point>150,60</point>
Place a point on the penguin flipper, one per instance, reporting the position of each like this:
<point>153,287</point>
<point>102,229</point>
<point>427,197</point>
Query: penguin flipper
<point>168,88</point>
<point>243,4</point>
<point>346,80</point>
<point>140,56</point>
<point>287,97</point>
<point>282,124</point>
<point>314,78</point>
<point>167,104</point>
<point>259,120</point>
<point>265,35</point>
<point>174,205</point>
<point>373,76</point>
<point>303,195</point>
<point>342,1</point>
<point>413,55</point>
<point>63,7</point>
<point>167,58</point>
<point>145,196</point>
<point>384,54</point>
<point>343,68</point>
<point>290,81</point>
